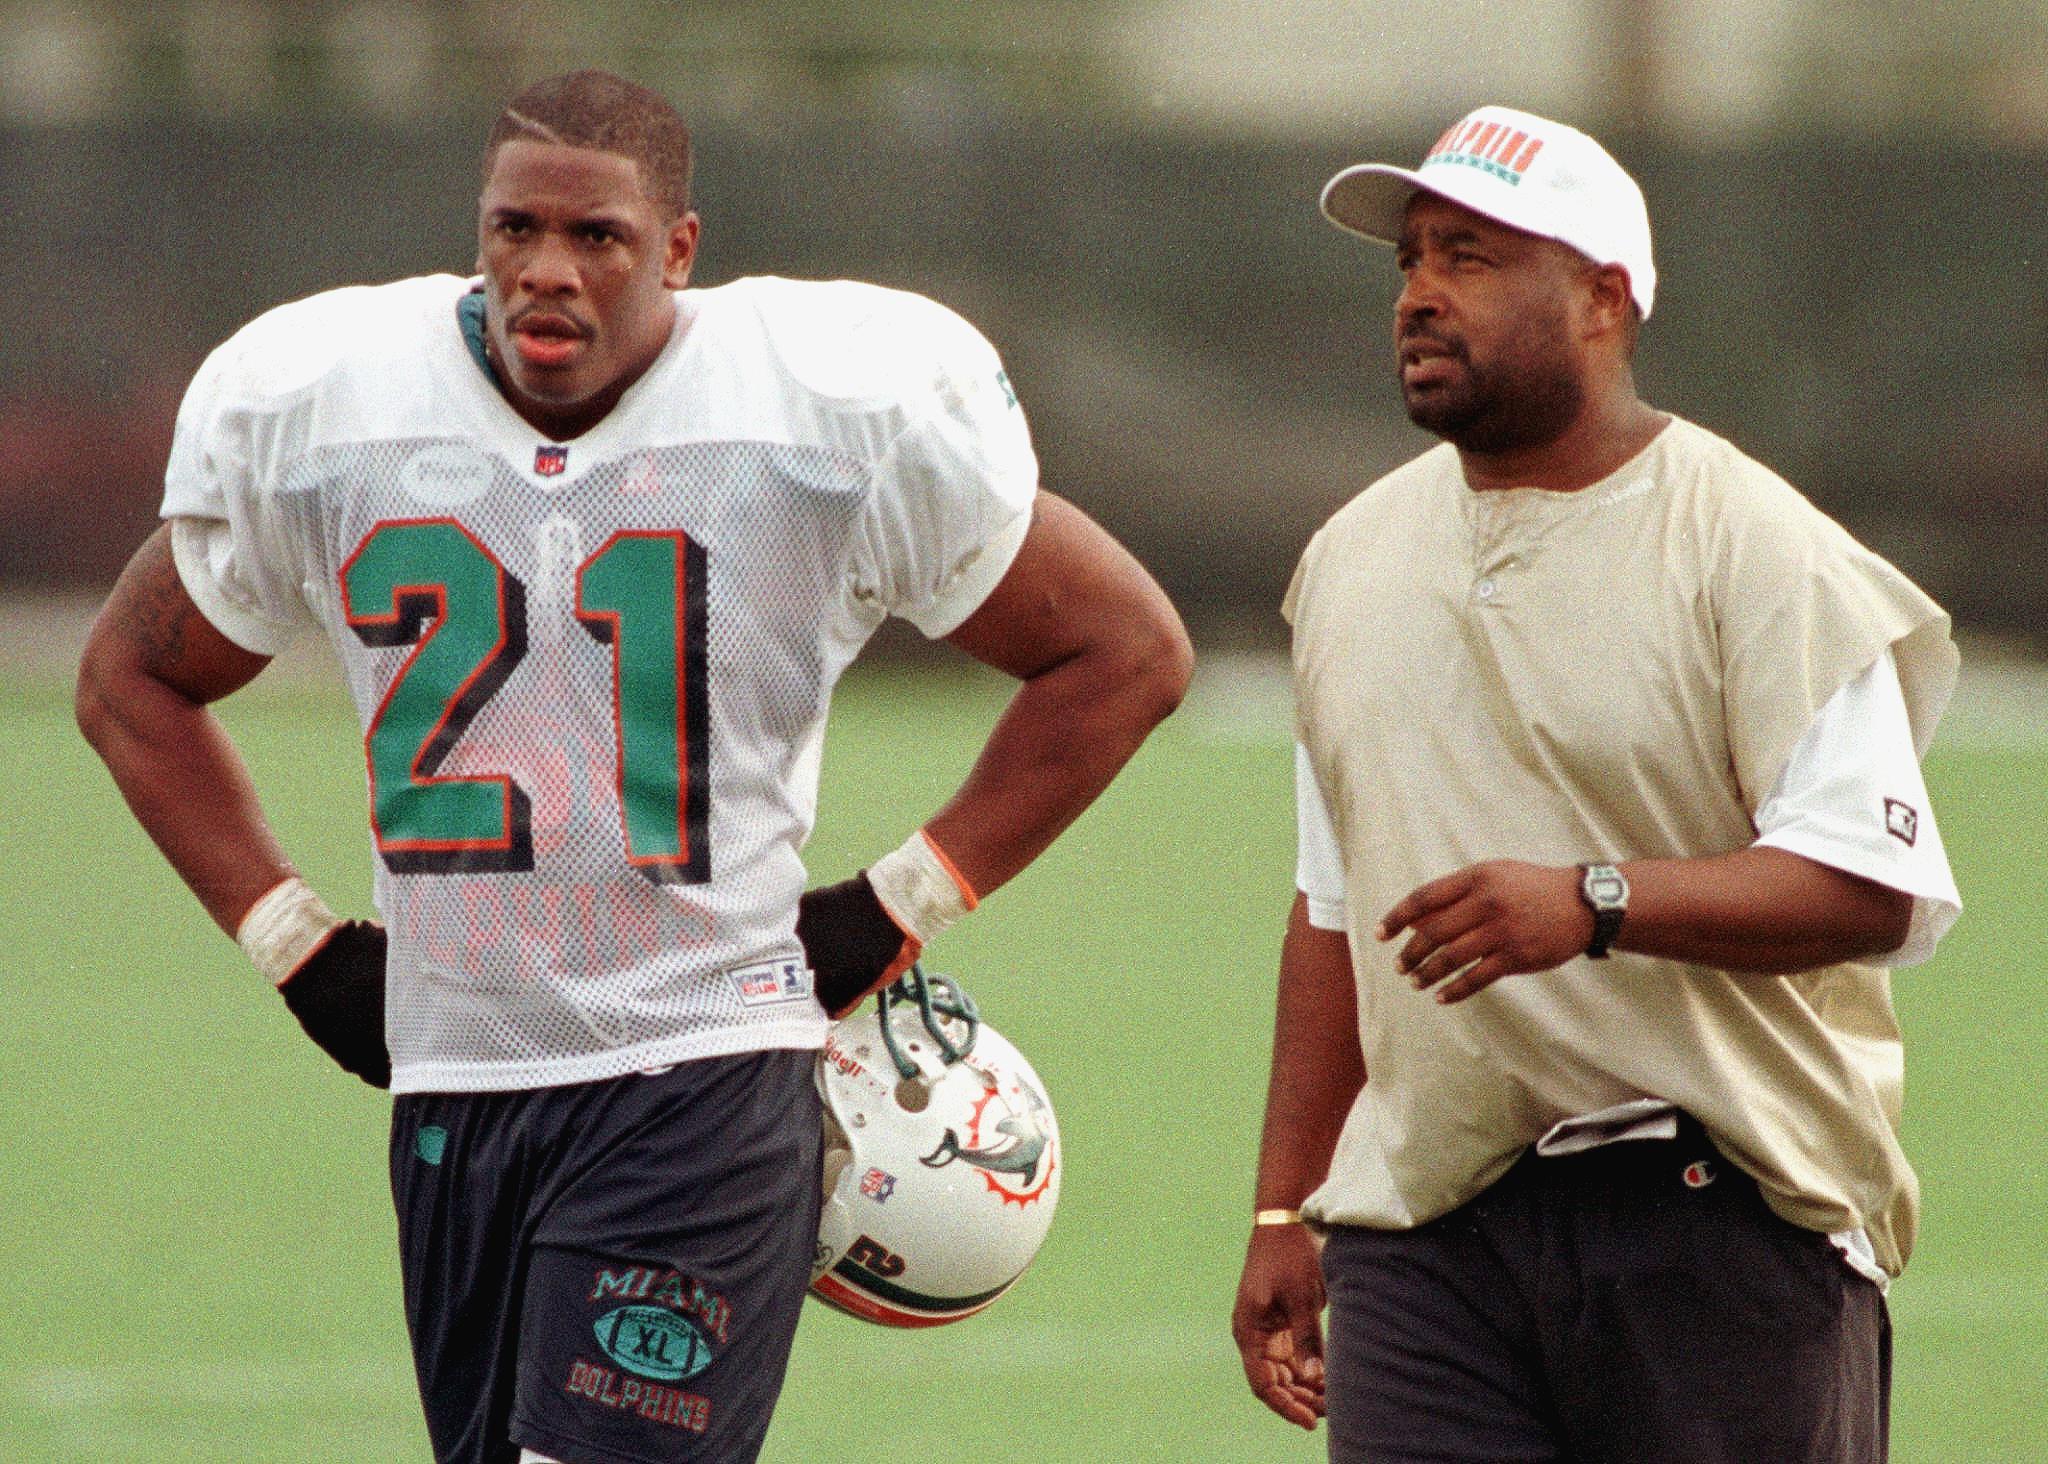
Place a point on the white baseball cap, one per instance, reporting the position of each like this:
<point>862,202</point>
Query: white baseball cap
<point>1525,171</point>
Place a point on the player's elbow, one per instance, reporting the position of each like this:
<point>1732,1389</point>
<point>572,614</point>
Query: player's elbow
<point>94,702</point>
<point>114,694</point>
<point>1159,661</point>
<point>1889,919</point>
<point>1871,920</point>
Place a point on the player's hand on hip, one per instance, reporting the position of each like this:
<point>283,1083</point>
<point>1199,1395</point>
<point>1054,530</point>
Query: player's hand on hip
<point>851,943</point>
<point>337,993</point>
<point>1486,921</point>
<point>1277,1322</point>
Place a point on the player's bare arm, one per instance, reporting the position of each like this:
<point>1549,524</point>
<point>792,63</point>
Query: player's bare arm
<point>1103,659</point>
<point>152,663</point>
<point>1317,1072</point>
<point>1759,910</point>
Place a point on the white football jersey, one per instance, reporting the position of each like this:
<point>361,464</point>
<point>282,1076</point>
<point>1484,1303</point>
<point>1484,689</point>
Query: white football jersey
<point>593,676</point>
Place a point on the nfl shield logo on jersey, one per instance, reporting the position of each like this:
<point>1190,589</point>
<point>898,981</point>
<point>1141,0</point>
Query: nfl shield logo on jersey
<point>549,459</point>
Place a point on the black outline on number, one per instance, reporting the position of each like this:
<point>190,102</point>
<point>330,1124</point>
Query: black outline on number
<point>694,735</point>
<point>413,607</point>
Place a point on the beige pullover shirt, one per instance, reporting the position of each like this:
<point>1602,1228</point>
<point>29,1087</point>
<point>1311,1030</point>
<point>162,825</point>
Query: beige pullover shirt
<point>1616,673</point>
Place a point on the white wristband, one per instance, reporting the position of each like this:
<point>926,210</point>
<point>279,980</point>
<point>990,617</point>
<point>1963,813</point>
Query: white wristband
<point>283,928</point>
<point>919,887</point>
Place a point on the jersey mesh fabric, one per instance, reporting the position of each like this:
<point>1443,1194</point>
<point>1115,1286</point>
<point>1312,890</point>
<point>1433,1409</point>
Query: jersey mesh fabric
<point>343,462</point>
<point>502,978</point>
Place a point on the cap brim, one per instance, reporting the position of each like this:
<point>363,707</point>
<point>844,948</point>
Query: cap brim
<point>1372,199</point>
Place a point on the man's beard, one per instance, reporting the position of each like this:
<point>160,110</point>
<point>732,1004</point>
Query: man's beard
<point>1523,401</point>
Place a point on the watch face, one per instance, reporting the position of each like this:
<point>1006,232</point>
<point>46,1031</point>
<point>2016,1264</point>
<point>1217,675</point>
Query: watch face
<point>1606,887</point>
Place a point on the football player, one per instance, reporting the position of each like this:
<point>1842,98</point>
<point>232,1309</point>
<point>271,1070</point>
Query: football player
<point>592,547</point>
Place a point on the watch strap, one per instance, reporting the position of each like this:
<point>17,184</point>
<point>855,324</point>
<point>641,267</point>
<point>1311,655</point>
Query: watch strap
<point>1608,913</point>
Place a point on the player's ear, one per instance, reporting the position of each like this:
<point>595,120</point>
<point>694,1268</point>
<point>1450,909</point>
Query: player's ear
<point>1609,301</point>
<point>682,251</point>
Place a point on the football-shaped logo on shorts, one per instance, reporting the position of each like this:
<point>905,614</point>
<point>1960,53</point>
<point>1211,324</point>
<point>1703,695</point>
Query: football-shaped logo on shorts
<point>653,1342</point>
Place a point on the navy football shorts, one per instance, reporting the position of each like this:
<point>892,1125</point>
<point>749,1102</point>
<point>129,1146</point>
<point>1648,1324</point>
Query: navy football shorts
<point>1633,1303</point>
<point>609,1273</point>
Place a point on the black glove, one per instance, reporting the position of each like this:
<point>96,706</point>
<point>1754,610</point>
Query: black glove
<point>852,945</point>
<point>337,994</point>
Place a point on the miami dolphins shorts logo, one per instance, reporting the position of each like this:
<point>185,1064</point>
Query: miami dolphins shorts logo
<point>653,1342</point>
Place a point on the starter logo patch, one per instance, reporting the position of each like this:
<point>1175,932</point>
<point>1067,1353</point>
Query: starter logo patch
<point>771,981</point>
<point>446,476</point>
<point>1901,821</point>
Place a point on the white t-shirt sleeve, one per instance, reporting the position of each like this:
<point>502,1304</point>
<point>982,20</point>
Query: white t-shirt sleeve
<point>954,488</point>
<point>1852,797</point>
<point>1318,865</point>
<point>237,564</point>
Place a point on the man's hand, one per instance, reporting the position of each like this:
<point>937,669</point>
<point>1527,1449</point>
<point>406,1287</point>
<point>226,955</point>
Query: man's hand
<point>1486,921</point>
<point>1277,1322</point>
<point>337,993</point>
<point>850,942</point>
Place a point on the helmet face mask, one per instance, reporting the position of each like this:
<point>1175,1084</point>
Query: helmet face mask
<point>942,1159</point>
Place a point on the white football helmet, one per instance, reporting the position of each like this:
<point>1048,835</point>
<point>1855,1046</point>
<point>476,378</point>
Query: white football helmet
<point>942,1159</point>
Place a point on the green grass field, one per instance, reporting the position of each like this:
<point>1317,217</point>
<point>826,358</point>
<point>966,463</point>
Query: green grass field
<point>197,1253</point>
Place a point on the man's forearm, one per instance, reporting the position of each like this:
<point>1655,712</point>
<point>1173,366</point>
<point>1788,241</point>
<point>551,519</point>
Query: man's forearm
<point>1062,739</point>
<point>1102,658</point>
<point>151,665</point>
<point>190,791</point>
<point>1759,909</point>
<point>1317,1068</point>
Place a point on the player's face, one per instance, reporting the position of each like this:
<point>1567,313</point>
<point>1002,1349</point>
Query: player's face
<point>578,261</point>
<point>1485,335</point>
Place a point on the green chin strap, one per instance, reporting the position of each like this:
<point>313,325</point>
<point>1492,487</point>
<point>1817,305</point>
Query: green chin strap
<point>936,998</point>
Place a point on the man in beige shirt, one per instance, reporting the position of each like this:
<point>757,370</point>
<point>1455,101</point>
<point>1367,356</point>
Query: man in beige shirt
<point>1585,1069</point>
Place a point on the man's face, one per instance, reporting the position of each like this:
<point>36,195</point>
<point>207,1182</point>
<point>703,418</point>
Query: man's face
<point>578,261</point>
<point>1484,330</point>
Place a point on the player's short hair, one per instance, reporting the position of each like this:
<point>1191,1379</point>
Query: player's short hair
<point>596,109</point>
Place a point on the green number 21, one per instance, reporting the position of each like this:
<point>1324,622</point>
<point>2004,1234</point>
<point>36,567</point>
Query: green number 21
<point>430,584</point>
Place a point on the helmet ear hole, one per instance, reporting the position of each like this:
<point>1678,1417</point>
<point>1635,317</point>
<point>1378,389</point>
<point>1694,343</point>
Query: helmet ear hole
<point>913,1095</point>
<point>836,1161</point>
<point>838,1152</point>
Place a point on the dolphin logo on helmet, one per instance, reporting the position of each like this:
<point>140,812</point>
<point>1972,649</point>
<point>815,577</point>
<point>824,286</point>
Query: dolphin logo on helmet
<point>912,1082</point>
<point>1020,1156</point>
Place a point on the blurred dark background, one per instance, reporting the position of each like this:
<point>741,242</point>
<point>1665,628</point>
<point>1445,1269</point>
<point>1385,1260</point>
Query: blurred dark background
<point>1848,205</point>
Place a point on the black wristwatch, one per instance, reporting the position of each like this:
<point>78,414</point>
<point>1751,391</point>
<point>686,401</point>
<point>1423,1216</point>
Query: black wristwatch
<point>1605,891</point>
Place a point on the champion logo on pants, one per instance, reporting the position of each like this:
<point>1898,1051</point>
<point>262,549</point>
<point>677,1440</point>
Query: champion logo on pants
<point>1699,1174</point>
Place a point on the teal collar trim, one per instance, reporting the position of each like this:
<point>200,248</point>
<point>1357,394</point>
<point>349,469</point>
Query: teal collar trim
<point>469,315</point>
